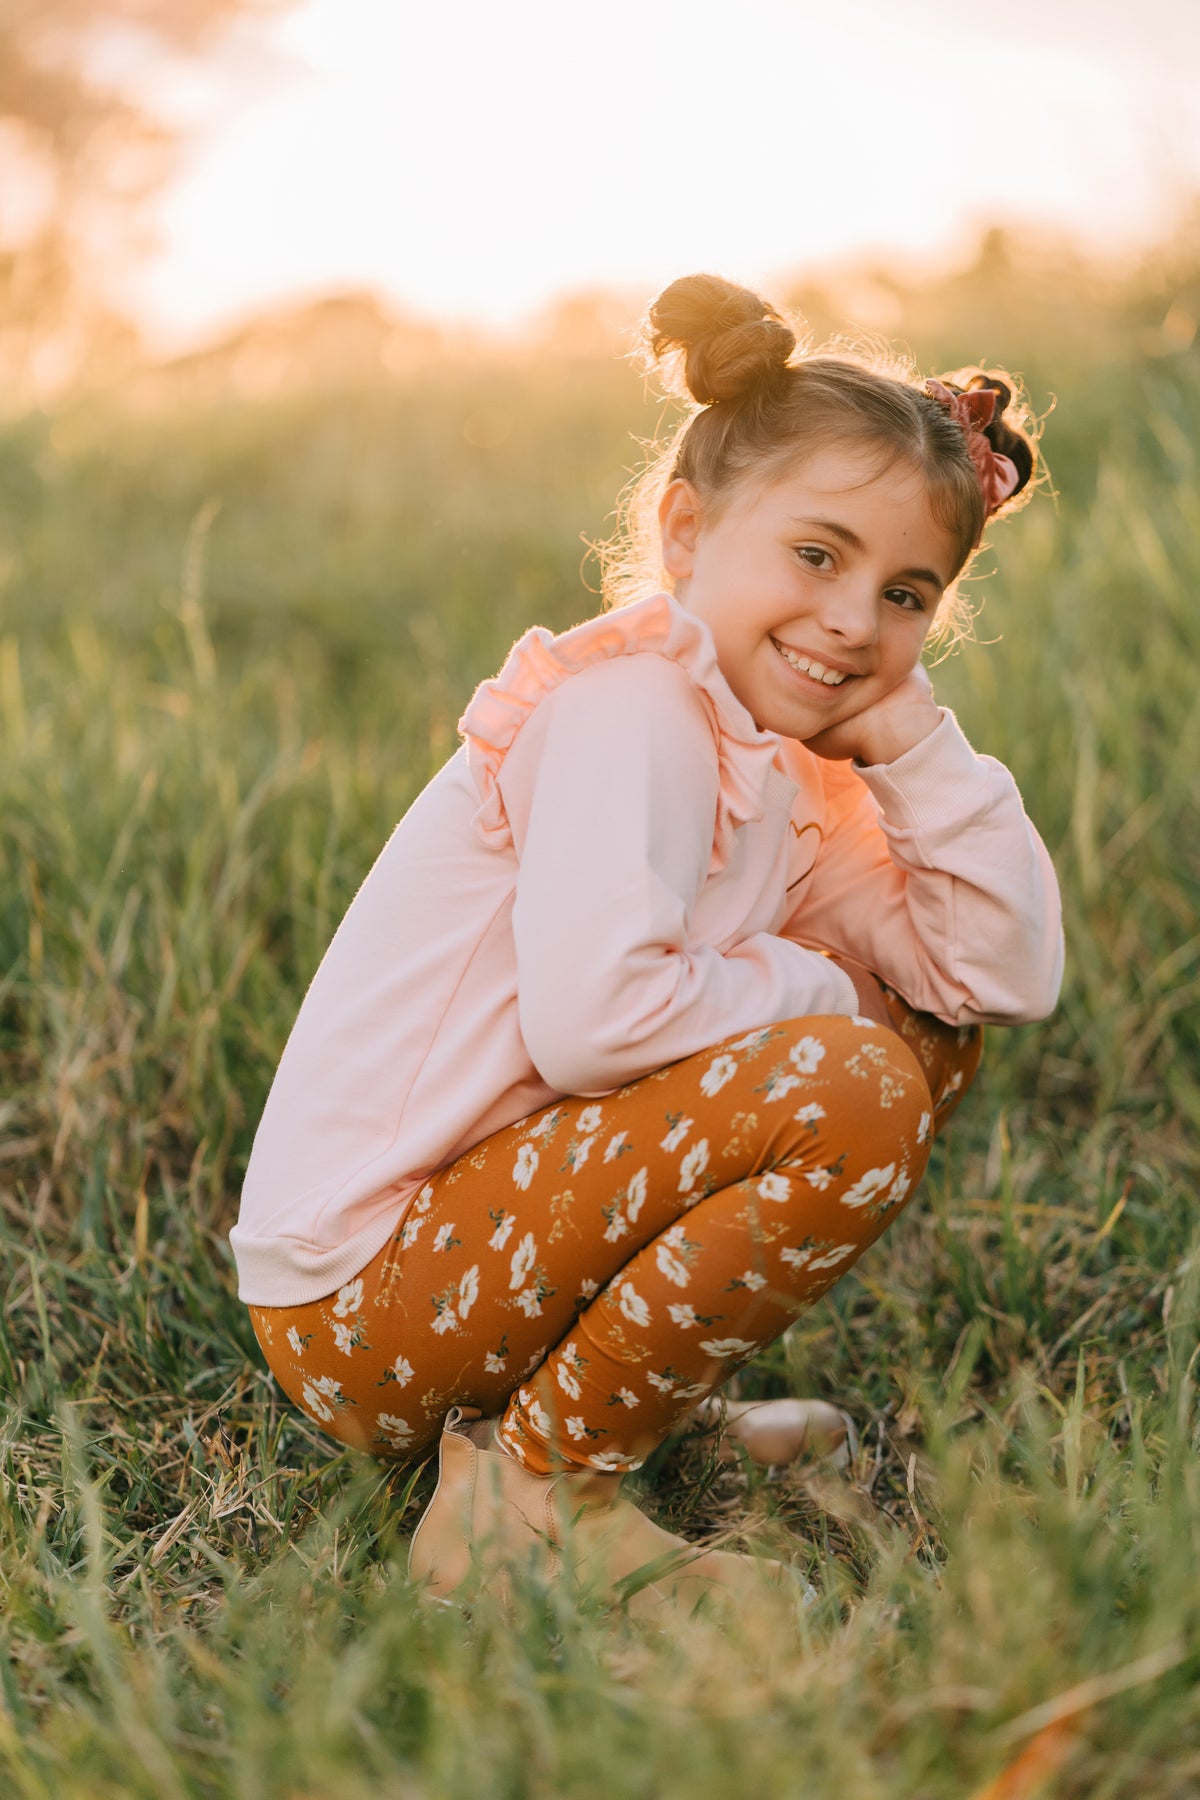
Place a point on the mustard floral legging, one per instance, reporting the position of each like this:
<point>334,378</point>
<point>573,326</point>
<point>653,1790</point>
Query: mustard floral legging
<point>593,1271</point>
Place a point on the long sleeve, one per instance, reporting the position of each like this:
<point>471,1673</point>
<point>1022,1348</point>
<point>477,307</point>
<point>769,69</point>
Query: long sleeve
<point>932,875</point>
<point>611,791</point>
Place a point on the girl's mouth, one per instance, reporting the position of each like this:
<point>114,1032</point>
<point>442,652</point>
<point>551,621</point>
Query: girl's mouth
<point>813,674</point>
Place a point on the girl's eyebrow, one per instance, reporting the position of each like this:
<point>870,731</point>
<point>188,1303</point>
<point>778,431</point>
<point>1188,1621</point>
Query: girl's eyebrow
<point>853,542</point>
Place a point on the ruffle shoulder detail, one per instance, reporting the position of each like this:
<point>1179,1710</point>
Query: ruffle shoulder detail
<point>539,662</point>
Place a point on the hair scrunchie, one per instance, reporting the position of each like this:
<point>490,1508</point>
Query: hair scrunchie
<point>974,411</point>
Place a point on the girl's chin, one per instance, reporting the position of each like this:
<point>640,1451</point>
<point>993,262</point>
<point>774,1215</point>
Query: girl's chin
<point>799,728</point>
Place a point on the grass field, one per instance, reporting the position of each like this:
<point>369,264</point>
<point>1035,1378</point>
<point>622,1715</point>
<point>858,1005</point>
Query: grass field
<point>235,638</point>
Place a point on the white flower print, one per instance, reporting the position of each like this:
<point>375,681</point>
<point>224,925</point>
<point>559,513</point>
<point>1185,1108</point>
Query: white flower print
<point>676,1134</point>
<point>544,1126</point>
<point>670,1265</point>
<point>444,1234</point>
<point>923,1125</point>
<point>589,1119</point>
<point>808,1115</point>
<point>408,1235</point>
<point>402,1371</point>
<point>632,1304</point>
<point>582,1152</point>
<point>576,1426</point>
<point>868,1057</point>
<point>295,1340</point>
<point>343,1338</point>
<point>539,1356</point>
<point>424,1199</point>
<point>951,1088</point>
<point>525,1167</point>
<point>899,1187</point>
<point>683,1316</point>
<point>752,1281</point>
<point>349,1300</point>
<point>694,1390</point>
<point>635,1194</point>
<point>502,1232</point>
<point>615,1146</point>
<point>612,1459</point>
<point>818,1178</point>
<point>774,1186</point>
<point>529,1303</point>
<point>720,1071</point>
<point>806,1055</point>
<point>523,1259</point>
<point>776,1086</point>
<point>726,1346</point>
<point>396,1432</point>
<point>533,1409</point>
<point>616,1228</point>
<point>664,1383</point>
<point>468,1290</point>
<point>445,1322</point>
<point>568,1382</point>
<point>753,1040</point>
<point>832,1257</point>
<point>796,1259</point>
<point>321,1396</point>
<point>511,1441</point>
<point>495,1365</point>
<point>588,1287</point>
<point>868,1186</point>
<point>627,1397</point>
<point>693,1166</point>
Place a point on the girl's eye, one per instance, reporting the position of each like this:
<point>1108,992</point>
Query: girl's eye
<point>905,599</point>
<point>814,556</point>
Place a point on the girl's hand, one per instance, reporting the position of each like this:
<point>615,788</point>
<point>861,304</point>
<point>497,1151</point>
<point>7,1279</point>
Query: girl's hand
<point>885,729</point>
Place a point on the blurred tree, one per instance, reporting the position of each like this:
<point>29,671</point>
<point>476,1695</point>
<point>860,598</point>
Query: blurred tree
<point>80,146</point>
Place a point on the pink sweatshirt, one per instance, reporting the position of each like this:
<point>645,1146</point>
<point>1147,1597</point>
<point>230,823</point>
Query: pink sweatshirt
<point>617,869</point>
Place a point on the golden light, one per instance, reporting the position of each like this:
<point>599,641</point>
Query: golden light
<point>470,161</point>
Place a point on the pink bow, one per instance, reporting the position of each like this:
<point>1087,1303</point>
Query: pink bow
<point>974,410</point>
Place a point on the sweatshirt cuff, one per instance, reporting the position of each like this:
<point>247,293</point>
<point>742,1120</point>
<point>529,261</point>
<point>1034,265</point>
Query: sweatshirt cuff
<point>929,782</point>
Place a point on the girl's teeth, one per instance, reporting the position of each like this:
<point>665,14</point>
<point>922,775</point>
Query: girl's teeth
<point>818,671</point>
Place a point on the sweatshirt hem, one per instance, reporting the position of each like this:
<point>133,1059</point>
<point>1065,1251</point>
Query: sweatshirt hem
<point>287,1271</point>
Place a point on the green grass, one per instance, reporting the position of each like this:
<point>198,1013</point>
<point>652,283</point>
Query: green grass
<point>234,642</point>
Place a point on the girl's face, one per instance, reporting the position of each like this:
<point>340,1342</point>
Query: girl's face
<point>818,590</point>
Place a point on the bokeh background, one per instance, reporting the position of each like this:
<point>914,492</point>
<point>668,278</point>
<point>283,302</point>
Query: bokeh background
<point>314,394</point>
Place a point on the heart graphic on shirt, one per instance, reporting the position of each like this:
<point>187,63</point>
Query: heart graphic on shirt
<point>811,846</point>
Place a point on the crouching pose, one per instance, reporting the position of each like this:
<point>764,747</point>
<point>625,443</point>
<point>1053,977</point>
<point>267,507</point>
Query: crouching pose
<point>640,1029</point>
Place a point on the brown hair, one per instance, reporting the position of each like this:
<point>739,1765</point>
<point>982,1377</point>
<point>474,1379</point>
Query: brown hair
<point>759,407</point>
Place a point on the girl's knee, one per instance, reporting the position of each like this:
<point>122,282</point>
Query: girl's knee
<point>838,1047</point>
<point>867,1084</point>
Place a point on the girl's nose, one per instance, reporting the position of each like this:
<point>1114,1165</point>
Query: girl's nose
<point>851,614</point>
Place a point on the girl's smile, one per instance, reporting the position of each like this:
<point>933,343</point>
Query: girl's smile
<point>819,589</point>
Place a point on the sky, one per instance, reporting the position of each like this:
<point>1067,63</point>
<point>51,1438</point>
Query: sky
<point>471,161</point>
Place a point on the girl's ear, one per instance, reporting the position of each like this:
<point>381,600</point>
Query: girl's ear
<point>679,515</point>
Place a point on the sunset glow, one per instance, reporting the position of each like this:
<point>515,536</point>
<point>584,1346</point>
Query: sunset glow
<point>471,161</point>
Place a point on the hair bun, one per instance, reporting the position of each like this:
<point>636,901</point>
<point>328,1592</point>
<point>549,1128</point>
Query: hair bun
<point>1002,434</point>
<point>720,341</point>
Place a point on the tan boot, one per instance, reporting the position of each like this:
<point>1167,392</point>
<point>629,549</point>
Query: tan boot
<point>489,1513</point>
<point>774,1432</point>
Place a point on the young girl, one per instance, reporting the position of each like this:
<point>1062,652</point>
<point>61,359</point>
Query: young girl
<point>638,1032</point>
